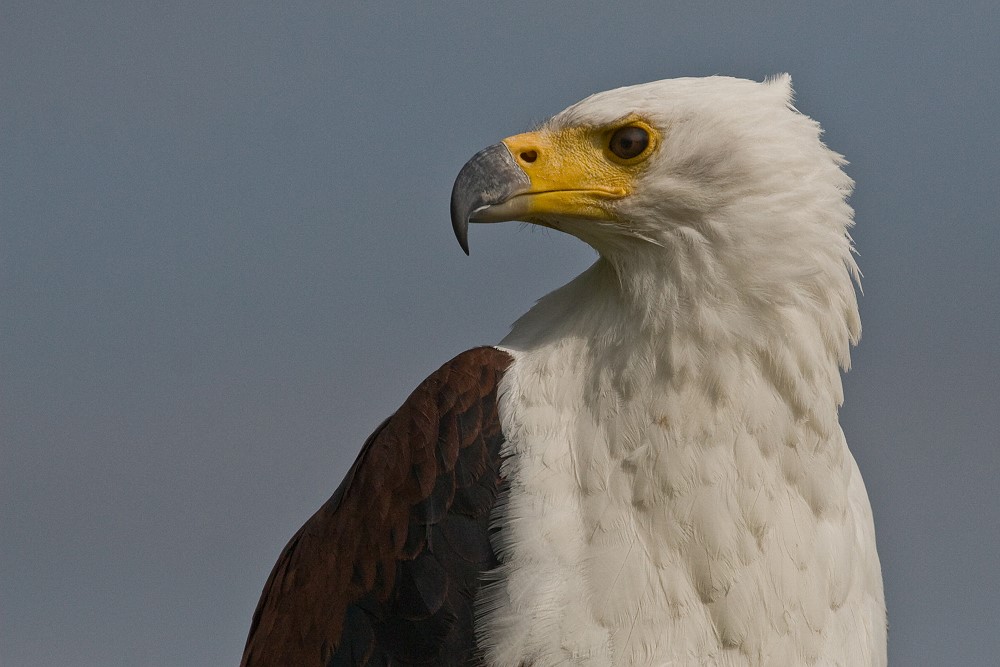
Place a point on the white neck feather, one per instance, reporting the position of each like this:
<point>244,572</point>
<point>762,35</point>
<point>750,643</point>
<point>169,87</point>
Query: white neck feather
<point>657,324</point>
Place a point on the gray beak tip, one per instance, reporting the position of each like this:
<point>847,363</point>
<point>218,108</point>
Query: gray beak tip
<point>460,223</point>
<point>463,240</point>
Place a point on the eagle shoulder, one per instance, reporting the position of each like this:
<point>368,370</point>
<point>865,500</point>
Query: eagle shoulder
<point>386,571</point>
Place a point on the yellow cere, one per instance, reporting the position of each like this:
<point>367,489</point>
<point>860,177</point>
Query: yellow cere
<point>573,172</point>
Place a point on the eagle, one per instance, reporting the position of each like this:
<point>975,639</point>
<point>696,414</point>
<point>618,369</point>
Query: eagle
<point>649,469</point>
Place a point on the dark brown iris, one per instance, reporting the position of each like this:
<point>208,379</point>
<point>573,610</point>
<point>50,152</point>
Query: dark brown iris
<point>629,141</point>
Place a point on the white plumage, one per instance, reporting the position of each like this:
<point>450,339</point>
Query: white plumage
<point>681,492</point>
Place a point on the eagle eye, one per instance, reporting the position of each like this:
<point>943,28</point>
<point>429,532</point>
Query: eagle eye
<point>629,141</point>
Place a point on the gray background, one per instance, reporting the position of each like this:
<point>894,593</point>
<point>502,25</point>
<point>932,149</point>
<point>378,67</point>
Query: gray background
<point>225,255</point>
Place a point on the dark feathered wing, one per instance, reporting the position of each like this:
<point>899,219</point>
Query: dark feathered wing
<point>385,573</point>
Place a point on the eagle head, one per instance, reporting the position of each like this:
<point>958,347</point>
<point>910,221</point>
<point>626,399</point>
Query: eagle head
<point>716,187</point>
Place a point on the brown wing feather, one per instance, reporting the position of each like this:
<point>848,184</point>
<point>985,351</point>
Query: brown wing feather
<point>387,570</point>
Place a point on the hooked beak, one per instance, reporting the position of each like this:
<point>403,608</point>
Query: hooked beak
<point>541,177</point>
<point>490,178</point>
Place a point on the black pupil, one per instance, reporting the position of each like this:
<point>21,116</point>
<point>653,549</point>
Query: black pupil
<point>628,142</point>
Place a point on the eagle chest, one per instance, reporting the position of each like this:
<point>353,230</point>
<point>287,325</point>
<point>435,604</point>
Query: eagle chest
<point>631,540</point>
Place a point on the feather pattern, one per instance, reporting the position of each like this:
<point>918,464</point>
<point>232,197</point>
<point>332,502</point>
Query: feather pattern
<point>385,573</point>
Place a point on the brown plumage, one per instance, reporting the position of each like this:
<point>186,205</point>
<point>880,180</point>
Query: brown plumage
<point>387,570</point>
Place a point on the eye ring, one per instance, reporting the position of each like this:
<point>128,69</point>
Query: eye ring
<point>629,142</point>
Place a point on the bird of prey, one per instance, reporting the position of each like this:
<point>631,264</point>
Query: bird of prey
<point>649,469</point>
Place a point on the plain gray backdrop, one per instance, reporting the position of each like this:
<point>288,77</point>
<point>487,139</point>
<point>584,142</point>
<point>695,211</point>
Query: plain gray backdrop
<point>225,256</point>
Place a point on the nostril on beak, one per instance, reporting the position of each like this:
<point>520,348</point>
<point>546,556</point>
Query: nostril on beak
<point>528,156</point>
